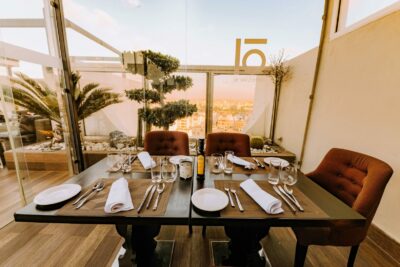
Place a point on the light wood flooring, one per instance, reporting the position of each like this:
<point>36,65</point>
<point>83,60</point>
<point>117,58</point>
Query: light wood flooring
<point>34,182</point>
<point>31,244</point>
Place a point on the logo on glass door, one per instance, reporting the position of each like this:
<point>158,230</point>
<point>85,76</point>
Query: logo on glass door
<point>242,61</point>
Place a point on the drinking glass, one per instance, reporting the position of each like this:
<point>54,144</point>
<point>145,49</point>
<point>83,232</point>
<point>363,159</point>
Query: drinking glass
<point>274,170</point>
<point>216,163</point>
<point>169,171</point>
<point>228,165</point>
<point>288,175</point>
<point>156,171</point>
<point>114,160</point>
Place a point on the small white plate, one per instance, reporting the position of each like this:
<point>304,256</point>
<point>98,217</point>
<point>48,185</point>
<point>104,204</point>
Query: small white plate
<point>210,199</point>
<point>176,159</point>
<point>284,163</point>
<point>57,194</point>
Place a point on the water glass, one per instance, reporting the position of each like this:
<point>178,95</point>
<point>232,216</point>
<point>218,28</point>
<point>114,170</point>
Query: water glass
<point>274,171</point>
<point>216,163</point>
<point>288,175</point>
<point>169,171</point>
<point>228,165</point>
<point>156,171</point>
<point>114,160</point>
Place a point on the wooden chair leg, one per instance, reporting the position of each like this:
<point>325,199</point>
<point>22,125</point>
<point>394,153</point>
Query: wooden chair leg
<point>300,257</point>
<point>352,256</point>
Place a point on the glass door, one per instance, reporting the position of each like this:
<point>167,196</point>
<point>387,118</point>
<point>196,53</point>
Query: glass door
<point>35,151</point>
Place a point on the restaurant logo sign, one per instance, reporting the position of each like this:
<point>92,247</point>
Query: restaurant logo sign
<point>241,62</point>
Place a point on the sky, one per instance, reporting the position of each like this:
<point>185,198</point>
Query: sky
<point>195,31</point>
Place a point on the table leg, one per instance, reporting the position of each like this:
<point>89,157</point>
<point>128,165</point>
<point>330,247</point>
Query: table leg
<point>122,230</point>
<point>244,245</point>
<point>143,244</point>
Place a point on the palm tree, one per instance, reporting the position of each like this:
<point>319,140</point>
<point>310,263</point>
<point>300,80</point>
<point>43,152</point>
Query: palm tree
<point>39,99</point>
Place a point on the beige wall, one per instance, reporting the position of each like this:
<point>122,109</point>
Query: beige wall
<point>294,100</point>
<point>357,105</point>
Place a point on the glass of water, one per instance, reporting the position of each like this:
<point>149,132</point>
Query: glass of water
<point>169,171</point>
<point>228,165</point>
<point>274,171</point>
<point>156,171</point>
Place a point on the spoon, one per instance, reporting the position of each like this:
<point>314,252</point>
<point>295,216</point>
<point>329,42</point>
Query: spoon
<point>98,189</point>
<point>95,186</point>
<point>160,190</point>
<point>287,189</point>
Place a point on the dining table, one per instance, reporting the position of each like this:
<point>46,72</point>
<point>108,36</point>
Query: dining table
<point>175,211</point>
<point>321,208</point>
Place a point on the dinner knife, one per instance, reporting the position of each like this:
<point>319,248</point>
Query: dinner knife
<point>291,198</point>
<point>284,198</point>
<point>151,196</point>
<point>145,196</point>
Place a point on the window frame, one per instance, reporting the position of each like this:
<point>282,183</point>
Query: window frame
<point>340,10</point>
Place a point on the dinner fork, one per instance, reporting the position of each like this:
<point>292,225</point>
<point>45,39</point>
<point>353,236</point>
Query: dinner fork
<point>95,186</point>
<point>86,199</point>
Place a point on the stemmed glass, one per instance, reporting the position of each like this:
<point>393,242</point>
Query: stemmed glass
<point>114,161</point>
<point>288,176</point>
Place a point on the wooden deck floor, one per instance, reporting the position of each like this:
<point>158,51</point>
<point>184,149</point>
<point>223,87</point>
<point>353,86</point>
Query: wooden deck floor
<point>31,244</point>
<point>33,184</point>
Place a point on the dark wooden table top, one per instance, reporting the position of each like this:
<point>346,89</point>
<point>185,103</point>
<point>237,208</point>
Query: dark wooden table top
<point>180,211</point>
<point>332,206</point>
<point>177,211</point>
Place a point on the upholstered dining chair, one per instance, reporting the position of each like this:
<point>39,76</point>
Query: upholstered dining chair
<point>221,142</point>
<point>359,181</point>
<point>166,143</point>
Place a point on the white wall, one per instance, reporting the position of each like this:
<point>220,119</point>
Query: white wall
<point>293,102</point>
<point>357,105</point>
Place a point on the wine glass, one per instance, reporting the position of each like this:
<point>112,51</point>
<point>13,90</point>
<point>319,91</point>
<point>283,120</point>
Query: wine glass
<point>169,171</point>
<point>114,161</point>
<point>288,177</point>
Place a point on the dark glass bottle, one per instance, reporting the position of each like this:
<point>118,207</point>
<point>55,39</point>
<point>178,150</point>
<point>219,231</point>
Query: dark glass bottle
<point>201,160</point>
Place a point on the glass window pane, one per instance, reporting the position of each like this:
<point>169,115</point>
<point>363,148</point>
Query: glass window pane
<point>360,9</point>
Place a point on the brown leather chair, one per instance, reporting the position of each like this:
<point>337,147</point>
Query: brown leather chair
<point>168,143</point>
<point>359,181</point>
<point>221,142</point>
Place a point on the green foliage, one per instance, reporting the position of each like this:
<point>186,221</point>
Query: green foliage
<point>257,142</point>
<point>39,99</point>
<point>166,63</point>
<point>156,112</point>
<point>143,95</point>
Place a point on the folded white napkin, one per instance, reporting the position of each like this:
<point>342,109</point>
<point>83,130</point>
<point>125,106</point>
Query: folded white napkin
<point>119,198</point>
<point>146,160</point>
<point>267,202</point>
<point>241,162</point>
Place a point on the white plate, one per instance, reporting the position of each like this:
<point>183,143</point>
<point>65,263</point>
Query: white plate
<point>57,194</point>
<point>284,163</point>
<point>210,199</point>
<point>177,159</point>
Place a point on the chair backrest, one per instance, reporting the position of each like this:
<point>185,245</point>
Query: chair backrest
<point>357,179</point>
<point>168,143</point>
<point>221,142</point>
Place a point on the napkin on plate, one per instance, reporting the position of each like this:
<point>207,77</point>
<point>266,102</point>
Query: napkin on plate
<point>146,160</point>
<point>241,162</point>
<point>267,202</point>
<point>119,198</point>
